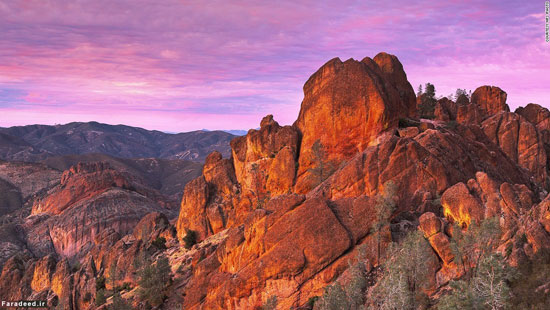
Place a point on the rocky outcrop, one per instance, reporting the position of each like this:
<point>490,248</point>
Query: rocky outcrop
<point>490,99</point>
<point>445,110</point>
<point>279,248</point>
<point>421,167</point>
<point>265,159</point>
<point>521,141</point>
<point>346,105</point>
<point>485,197</point>
<point>90,199</point>
<point>43,272</point>
<point>263,165</point>
<point>469,114</point>
<point>80,182</point>
<point>199,212</point>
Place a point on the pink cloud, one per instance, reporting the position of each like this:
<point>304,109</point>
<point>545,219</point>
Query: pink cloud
<point>226,64</point>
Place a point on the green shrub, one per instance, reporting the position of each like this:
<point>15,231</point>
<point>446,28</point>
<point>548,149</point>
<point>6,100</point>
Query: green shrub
<point>126,286</point>
<point>311,301</point>
<point>190,238</point>
<point>159,243</point>
<point>528,285</point>
<point>75,267</point>
<point>100,298</point>
<point>120,303</point>
<point>99,283</point>
<point>452,125</point>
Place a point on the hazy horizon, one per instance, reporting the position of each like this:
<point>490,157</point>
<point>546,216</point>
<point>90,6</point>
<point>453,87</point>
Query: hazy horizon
<point>223,66</point>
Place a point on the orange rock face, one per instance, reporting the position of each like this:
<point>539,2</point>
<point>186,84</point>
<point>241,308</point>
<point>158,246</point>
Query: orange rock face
<point>445,110</point>
<point>79,183</point>
<point>346,105</point>
<point>469,114</point>
<point>265,159</point>
<point>430,224</point>
<point>461,206</point>
<point>266,256</point>
<point>490,99</point>
<point>43,271</point>
<point>521,141</point>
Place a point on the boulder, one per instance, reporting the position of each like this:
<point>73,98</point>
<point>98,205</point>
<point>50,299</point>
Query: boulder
<point>430,224</point>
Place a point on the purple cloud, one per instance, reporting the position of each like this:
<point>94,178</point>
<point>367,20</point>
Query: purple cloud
<point>184,65</point>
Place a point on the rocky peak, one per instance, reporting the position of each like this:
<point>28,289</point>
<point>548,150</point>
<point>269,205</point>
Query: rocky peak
<point>84,168</point>
<point>490,99</point>
<point>346,106</point>
<point>395,74</point>
<point>268,121</point>
<point>537,115</point>
<point>79,182</point>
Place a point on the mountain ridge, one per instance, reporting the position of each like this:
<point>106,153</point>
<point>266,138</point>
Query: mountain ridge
<point>37,142</point>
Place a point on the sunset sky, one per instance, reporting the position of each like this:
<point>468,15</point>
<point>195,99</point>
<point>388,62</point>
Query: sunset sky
<point>187,65</point>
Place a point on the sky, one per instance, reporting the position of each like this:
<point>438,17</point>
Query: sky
<point>186,65</point>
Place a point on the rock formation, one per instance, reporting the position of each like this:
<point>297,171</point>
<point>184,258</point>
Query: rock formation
<point>294,208</point>
<point>357,100</point>
<point>490,99</point>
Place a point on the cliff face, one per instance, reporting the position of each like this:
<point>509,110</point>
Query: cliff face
<point>357,100</point>
<point>295,206</point>
<point>91,198</point>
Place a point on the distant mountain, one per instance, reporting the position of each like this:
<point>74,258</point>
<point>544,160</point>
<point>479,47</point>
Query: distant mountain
<point>38,142</point>
<point>237,132</point>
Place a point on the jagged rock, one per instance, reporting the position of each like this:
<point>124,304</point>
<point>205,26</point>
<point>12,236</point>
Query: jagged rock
<point>408,132</point>
<point>152,226</point>
<point>485,197</point>
<point>445,110</point>
<point>287,240</point>
<point>490,99</point>
<point>469,114</point>
<point>346,105</point>
<point>441,244</point>
<point>430,163</point>
<point>192,212</point>
<point>91,198</point>
<point>521,141</point>
<point>265,159</point>
<point>78,183</point>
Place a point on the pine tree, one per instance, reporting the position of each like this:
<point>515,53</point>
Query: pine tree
<point>485,284</point>
<point>100,298</point>
<point>428,101</point>
<point>405,275</point>
<point>153,280</point>
<point>119,303</point>
<point>384,207</point>
<point>350,296</point>
<point>323,168</point>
